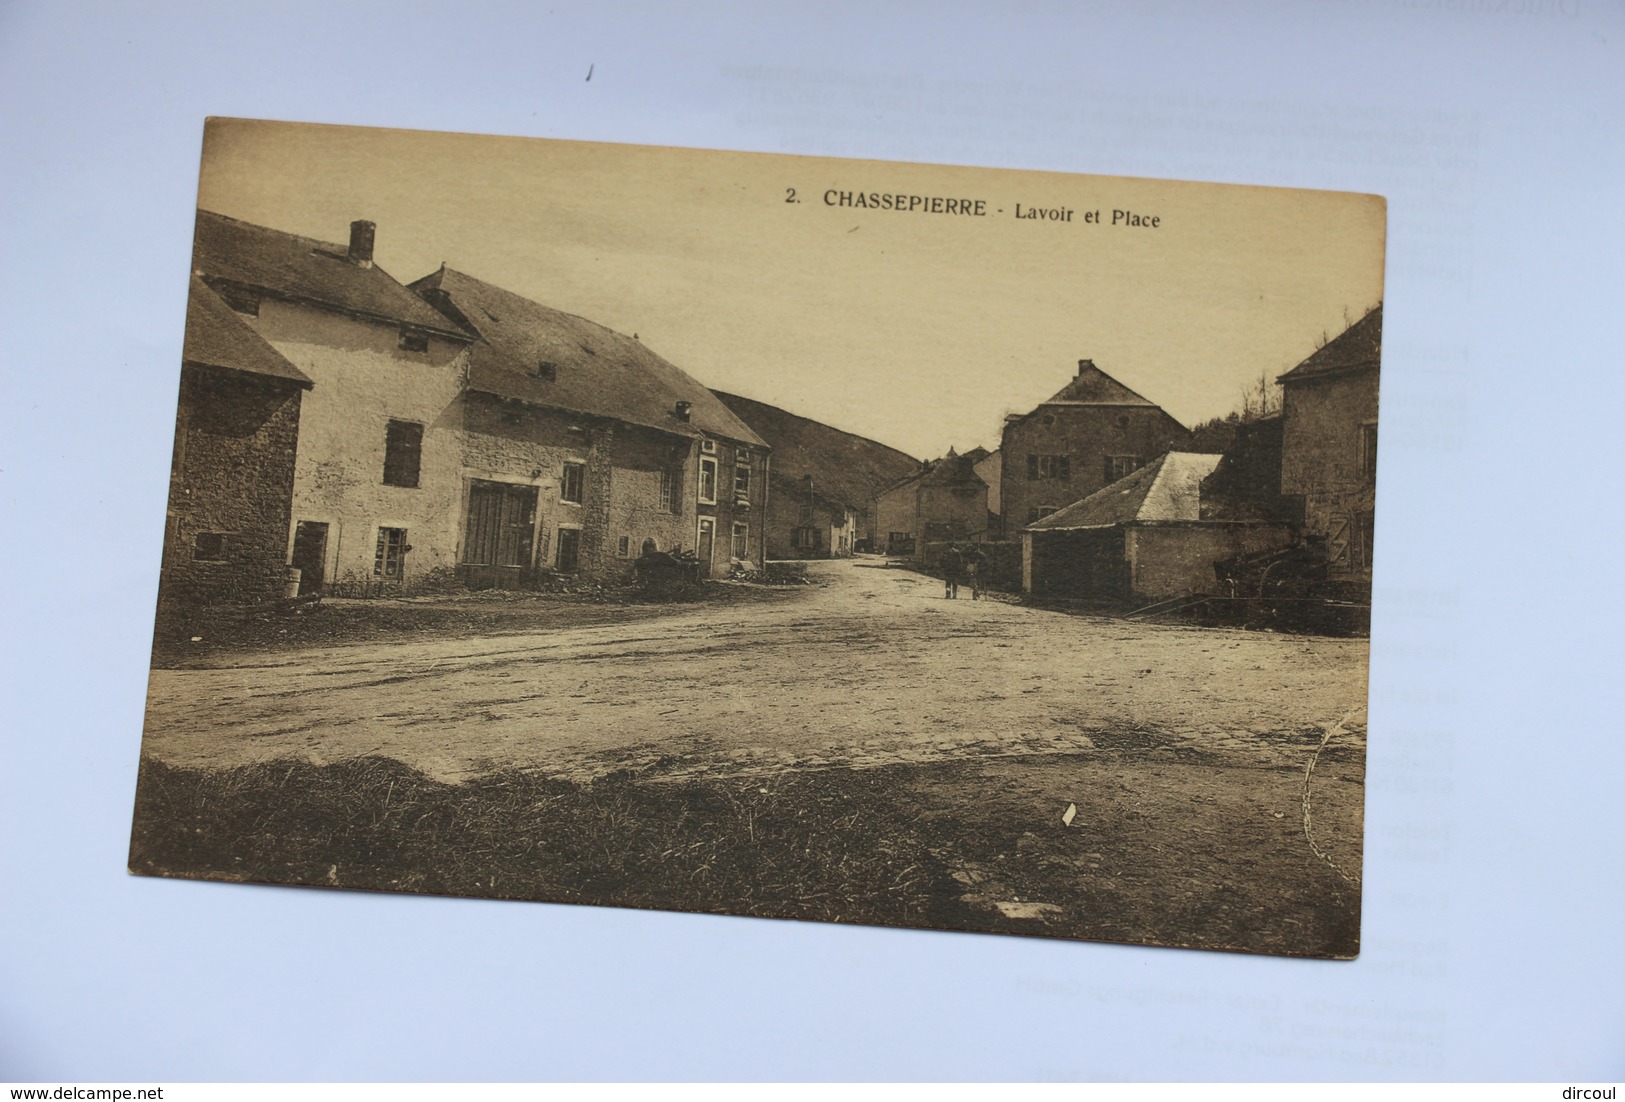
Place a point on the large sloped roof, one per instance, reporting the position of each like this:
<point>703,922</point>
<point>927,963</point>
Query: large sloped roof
<point>217,337</point>
<point>1168,489</point>
<point>590,369</point>
<point>1093,387</point>
<point>845,468</point>
<point>1356,348</point>
<point>305,269</point>
<point>951,468</point>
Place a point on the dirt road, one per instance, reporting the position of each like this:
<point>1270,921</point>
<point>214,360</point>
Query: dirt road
<point>871,667</point>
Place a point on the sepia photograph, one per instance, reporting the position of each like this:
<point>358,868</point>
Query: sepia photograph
<point>896,544</point>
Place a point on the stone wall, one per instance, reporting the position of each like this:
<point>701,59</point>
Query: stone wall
<point>231,488</point>
<point>1327,425</point>
<point>1177,560</point>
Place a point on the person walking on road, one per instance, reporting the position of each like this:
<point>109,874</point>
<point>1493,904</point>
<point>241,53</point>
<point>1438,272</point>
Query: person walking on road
<point>975,564</point>
<point>952,561</point>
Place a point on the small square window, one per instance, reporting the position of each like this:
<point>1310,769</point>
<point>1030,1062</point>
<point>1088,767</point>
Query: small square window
<point>547,371</point>
<point>210,547</point>
<point>413,341</point>
<point>241,299</point>
<point>709,447</point>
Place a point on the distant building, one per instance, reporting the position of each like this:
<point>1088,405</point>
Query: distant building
<point>823,482</point>
<point>1329,445</point>
<point>1091,433</point>
<point>944,501</point>
<point>231,483</point>
<point>1140,539</point>
<point>989,467</point>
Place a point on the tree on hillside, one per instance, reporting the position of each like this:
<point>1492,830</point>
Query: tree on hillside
<point>1259,399</point>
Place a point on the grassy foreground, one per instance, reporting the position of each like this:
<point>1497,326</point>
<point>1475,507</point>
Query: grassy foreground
<point>970,844</point>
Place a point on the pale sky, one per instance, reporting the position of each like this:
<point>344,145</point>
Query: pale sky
<point>919,330</point>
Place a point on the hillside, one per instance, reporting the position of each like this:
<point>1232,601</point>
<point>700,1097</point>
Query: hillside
<point>845,467</point>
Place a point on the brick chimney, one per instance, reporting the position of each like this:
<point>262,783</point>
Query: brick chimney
<point>1085,365</point>
<point>361,234</point>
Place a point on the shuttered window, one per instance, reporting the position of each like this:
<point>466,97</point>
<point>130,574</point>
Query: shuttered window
<point>1121,466</point>
<point>403,453</point>
<point>1049,466</point>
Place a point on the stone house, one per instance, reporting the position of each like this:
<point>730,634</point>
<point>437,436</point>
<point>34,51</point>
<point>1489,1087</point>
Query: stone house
<point>581,448</point>
<point>231,482</point>
<point>1142,538</point>
<point>454,430</point>
<point>1091,433</point>
<point>944,501</point>
<point>989,467</point>
<point>1329,446</point>
<point>823,484</point>
<point>375,494</point>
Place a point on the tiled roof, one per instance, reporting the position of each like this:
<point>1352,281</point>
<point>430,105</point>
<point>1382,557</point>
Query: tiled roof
<point>307,270</point>
<point>217,337</point>
<point>1357,347</point>
<point>1092,386</point>
<point>1169,488</point>
<point>951,468</point>
<point>846,469</point>
<point>533,353</point>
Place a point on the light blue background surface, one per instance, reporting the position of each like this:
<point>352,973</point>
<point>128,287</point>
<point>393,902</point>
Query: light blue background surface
<point>1494,865</point>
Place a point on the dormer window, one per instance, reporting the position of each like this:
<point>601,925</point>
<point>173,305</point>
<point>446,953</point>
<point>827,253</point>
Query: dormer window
<point>241,299</point>
<point>546,370</point>
<point>411,340</point>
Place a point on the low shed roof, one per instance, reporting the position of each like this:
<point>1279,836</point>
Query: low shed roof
<point>1170,488</point>
<point>217,337</point>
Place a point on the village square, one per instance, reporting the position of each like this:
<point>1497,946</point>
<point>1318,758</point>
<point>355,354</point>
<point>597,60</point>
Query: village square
<point>1155,647</point>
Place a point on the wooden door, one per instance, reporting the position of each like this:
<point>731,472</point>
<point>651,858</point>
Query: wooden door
<point>499,536</point>
<point>706,544</point>
<point>569,550</point>
<point>310,556</point>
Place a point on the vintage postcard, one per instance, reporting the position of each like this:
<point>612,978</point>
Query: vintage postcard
<point>897,544</point>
